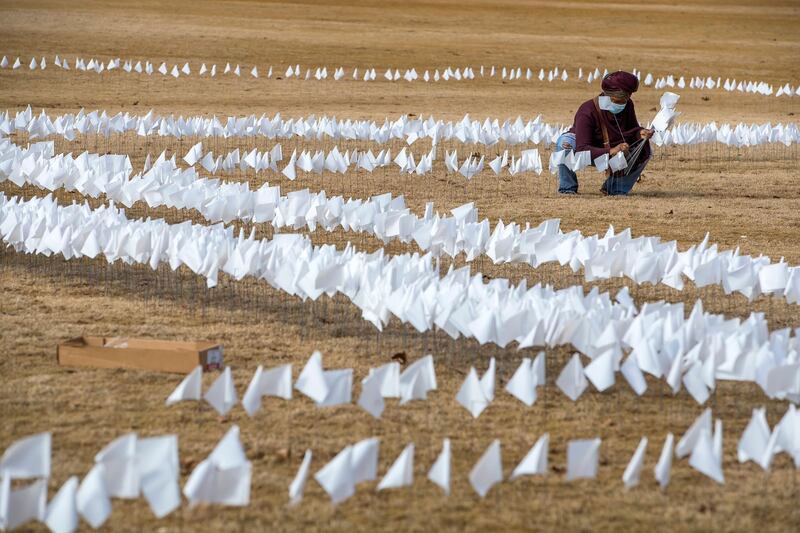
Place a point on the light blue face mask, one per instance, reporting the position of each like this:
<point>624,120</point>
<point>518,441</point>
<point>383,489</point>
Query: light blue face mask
<point>607,105</point>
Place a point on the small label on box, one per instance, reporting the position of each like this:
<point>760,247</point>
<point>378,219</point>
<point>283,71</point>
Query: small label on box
<point>214,359</point>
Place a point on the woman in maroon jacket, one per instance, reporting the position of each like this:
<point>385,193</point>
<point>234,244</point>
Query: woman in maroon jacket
<point>615,109</point>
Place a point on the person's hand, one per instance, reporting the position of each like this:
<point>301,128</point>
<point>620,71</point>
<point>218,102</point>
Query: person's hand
<point>645,133</point>
<point>623,147</point>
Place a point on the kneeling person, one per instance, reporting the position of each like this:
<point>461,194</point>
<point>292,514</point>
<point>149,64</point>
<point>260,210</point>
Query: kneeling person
<point>607,124</point>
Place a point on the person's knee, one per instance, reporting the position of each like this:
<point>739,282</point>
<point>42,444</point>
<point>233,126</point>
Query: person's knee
<point>566,142</point>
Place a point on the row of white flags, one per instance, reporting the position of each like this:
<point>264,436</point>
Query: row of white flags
<point>336,161</point>
<point>488,133</point>
<point>448,73</point>
<point>131,466</point>
<point>329,388</point>
<point>660,339</point>
<point>342,162</point>
<point>642,259</point>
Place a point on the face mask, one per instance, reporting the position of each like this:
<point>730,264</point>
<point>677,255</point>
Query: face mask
<point>607,105</point>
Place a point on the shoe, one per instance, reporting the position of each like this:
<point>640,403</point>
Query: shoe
<point>568,192</point>
<point>603,190</point>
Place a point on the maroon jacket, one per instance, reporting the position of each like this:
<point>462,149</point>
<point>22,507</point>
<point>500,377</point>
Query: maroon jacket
<point>589,136</point>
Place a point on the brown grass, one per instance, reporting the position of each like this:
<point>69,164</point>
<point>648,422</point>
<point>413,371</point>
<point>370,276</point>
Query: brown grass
<point>750,202</point>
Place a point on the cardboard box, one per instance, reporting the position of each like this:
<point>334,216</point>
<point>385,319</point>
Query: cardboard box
<point>144,354</point>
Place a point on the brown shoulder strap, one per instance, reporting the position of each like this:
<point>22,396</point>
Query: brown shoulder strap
<point>602,122</point>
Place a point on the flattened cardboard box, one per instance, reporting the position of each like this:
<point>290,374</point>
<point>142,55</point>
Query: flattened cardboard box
<point>144,354</point>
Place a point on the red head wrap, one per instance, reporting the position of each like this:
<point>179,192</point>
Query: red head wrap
<point>620,81</point>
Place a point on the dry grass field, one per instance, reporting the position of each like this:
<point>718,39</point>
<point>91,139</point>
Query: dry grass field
<point>746,198</point>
